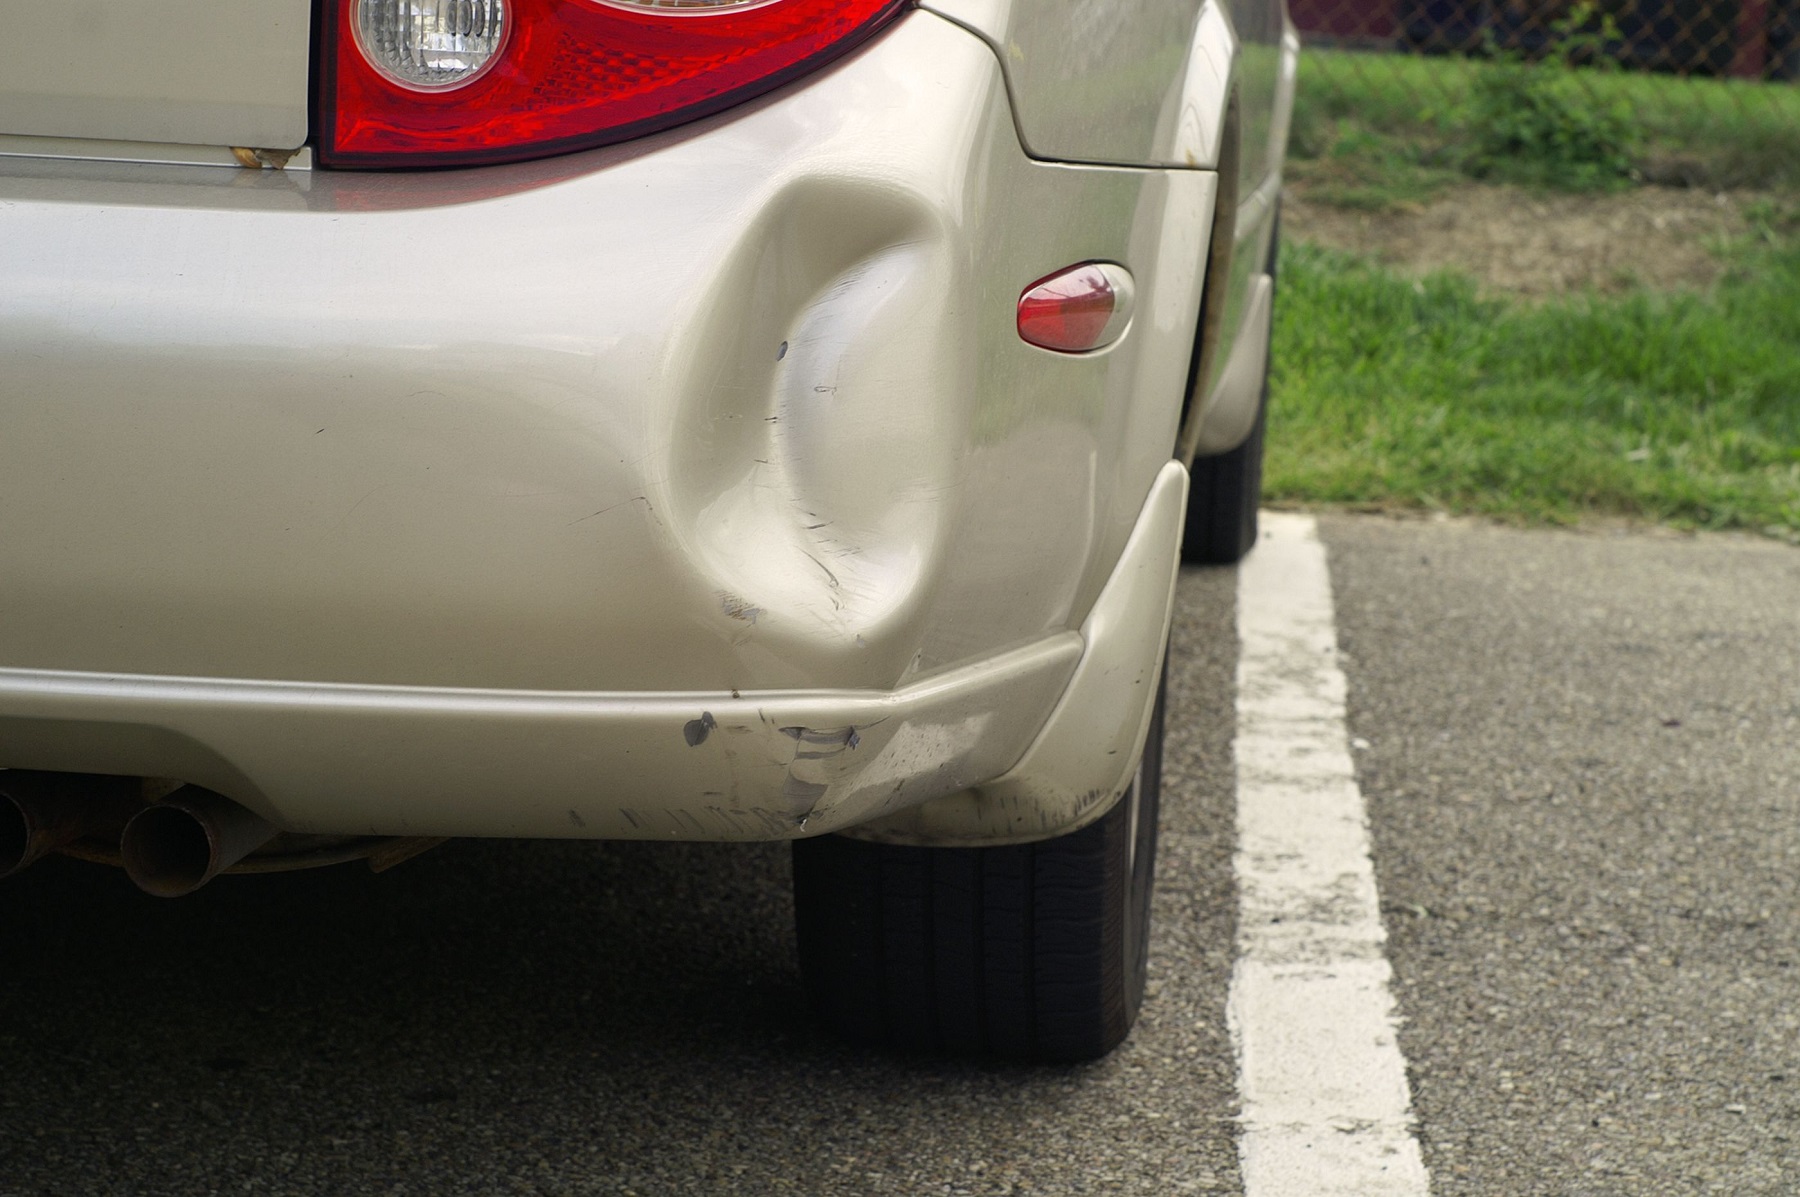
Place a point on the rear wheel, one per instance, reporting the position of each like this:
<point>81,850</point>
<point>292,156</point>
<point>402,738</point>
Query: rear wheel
<point>1028,951</point>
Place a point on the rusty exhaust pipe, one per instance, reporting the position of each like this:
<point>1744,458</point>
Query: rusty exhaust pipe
<point>40,812</point>
<point>187,839</point>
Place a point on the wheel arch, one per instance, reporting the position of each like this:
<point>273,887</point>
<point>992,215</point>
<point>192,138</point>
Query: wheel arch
<point>1204,366</point>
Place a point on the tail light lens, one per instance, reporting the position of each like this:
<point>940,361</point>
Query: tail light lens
<point>1081,308</point>
<point>460,82</point>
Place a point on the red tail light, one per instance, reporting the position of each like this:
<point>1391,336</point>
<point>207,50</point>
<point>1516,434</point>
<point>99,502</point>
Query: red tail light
<point>574,74</point>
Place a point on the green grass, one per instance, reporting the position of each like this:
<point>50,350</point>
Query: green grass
<point>1376,129</point>
<point>1680,408</point>
<point>1357,167</point>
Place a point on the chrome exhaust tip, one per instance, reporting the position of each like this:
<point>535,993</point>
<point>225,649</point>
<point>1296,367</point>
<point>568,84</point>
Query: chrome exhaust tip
<point>179,844</point>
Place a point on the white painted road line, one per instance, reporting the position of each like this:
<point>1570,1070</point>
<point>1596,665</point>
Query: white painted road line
<point>1325,1105</point>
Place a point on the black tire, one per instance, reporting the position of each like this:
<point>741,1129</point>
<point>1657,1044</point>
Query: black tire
<point>1225,490</point>
<point>1032,952</point>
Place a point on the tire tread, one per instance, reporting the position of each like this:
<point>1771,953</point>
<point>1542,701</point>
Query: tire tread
<point>1026,951</point>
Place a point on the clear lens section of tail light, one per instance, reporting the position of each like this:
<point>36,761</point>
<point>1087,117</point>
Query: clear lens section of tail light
<point>430,45</point>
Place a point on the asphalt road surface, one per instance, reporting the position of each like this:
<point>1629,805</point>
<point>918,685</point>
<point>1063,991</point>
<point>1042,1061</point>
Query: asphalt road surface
<point>1583,777</point>
<point>1581,757</point>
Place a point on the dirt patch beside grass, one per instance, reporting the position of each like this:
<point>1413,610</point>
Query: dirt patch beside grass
<point>1534,245</point>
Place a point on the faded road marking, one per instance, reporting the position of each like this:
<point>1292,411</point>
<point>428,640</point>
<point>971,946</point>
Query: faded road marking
<point>1325,1105</point>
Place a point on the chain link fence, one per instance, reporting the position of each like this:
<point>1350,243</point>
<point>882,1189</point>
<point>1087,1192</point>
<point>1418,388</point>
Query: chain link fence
<point>1743,39</point>
<point>1711,88</point>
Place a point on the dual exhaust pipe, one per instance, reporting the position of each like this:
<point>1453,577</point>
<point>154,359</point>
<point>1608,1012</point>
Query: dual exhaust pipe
<point>168,848</point>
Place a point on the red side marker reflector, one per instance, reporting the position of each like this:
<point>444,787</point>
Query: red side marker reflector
<point>1078,309</point>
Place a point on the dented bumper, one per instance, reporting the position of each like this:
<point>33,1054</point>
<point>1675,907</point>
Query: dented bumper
<point>696,488</point>
<point>1058,722</point>
<point>413,761</point>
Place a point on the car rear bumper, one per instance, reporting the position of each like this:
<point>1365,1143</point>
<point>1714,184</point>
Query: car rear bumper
<point>416,761</point>
<point>471,489</point>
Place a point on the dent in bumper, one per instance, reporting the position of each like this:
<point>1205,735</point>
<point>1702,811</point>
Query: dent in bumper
<point>1032,742</point>
<point>1087,752</point>
<point>742,406</point>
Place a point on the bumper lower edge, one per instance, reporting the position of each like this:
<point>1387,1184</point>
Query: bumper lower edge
<point>370,760</point>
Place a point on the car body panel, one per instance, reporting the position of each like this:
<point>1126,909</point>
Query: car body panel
<point>1237,395</point>
<point>197,72</point>
<point>1223,409</point>
<point>738,408</point>
<point>1143,82</point>
<point>251,438</point>
<point>1030,742</point>
<point>1059,721</point>
<point>1267,53</point>
<point>427,761</point>
<point>1089,747</point>
<point>1115,81</point>
<point>1096,81</point>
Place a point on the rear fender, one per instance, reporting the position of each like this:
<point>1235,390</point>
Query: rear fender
<point>1131,82</point>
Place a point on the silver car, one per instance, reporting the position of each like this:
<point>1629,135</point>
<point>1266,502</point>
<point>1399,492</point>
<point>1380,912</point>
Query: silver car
<point>637,419</point>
